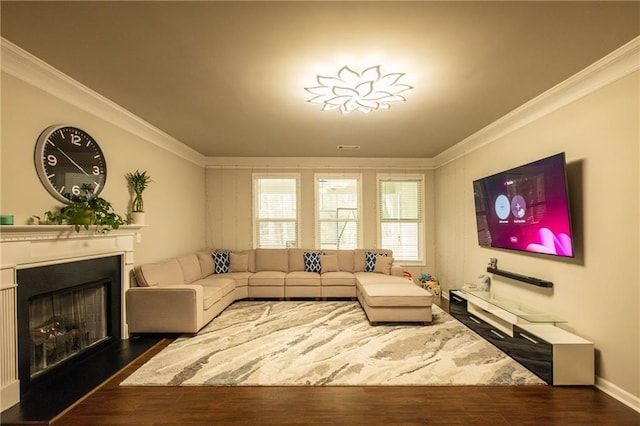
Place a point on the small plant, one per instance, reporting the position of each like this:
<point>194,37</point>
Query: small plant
<point>84,211</point>
<point>138,182</point>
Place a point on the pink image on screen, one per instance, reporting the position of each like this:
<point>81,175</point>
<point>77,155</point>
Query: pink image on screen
<point>549,243</point>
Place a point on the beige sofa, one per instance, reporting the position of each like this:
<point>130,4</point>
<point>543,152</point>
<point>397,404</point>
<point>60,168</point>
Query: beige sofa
<point>181,295</point>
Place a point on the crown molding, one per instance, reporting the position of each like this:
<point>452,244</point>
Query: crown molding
<point>616,65</point>
<point>325,163</point>
<point>26,67</point>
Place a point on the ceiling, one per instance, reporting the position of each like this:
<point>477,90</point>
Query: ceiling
<point>228,78</point>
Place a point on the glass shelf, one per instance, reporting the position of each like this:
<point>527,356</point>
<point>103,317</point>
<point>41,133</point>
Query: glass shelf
<point>517,309</point>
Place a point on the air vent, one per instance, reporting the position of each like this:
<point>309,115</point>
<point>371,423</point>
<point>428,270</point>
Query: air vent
<point>349,147</point>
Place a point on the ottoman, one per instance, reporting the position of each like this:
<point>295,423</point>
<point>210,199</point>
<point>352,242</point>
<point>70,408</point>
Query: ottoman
<point>395,302</point>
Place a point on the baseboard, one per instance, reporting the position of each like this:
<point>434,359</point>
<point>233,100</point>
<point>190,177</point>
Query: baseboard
<point>621,395</point>
<point>9,395</point>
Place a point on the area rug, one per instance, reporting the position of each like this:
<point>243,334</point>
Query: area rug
<point>328,344</point>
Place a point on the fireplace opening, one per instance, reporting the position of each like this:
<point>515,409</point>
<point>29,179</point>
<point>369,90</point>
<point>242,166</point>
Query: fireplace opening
<point>66,323</point>
<point>66,313</point>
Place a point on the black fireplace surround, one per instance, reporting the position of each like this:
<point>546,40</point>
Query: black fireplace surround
<point>38,281</point>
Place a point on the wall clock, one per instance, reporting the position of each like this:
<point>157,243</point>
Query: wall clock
<point>69,162</point>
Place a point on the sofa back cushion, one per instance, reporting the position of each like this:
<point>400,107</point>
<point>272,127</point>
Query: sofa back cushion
<point>167,272</point>
<point>360,258</point>
<point>238,262</point>
<point>272,260</point>
<point>190,266</point>
<point>345,259</point>
<point>251,259</point>
<point>296,259</point>
<point>206,263</point>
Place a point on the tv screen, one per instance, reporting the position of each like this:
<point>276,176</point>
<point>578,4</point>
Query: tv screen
<point>526,208</point>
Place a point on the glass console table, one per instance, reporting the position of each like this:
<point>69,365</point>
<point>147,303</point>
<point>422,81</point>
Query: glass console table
<point>509,310</point>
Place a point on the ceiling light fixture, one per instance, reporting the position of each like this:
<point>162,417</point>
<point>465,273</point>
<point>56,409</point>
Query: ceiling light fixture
<point>351,91</point>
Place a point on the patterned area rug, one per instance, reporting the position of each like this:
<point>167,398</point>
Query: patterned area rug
<point>327,344</point>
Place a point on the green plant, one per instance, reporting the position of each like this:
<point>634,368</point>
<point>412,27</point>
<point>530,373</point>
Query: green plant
<point>84,211</point>
<point>138,182</point>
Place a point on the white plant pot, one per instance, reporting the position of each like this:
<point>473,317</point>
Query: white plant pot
<point>137,218</point>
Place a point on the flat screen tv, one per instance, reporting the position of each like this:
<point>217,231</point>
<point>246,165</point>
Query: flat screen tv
<point>526,208</point>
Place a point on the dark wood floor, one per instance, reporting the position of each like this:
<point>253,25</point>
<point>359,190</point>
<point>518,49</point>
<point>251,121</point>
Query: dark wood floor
<point>508,405</point>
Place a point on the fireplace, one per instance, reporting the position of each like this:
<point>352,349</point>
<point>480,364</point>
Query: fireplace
<point>34,259</point>
<point>66,312</point>
<point>65,324</point>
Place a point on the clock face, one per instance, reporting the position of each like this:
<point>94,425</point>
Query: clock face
<point>70,162</point>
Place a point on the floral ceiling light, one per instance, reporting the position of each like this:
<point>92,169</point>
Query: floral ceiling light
<point>351,91</point>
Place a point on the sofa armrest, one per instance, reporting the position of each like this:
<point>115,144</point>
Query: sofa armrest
<point>165,309</point>
<point>397,270</point>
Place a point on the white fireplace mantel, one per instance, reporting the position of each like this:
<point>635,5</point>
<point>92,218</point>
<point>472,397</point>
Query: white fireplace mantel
<point>39,245</point>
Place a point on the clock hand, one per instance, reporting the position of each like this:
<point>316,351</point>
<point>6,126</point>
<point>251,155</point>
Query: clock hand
<point>70,159</point>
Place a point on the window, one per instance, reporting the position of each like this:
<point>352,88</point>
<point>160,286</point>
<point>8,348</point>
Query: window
<point>401,216</point>
<point>275,213</point>
<point>337,211</point>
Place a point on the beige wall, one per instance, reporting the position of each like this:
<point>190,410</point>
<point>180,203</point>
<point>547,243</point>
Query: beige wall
<point>229,206</point>
<point>598,292</point>
<point>174,202</point>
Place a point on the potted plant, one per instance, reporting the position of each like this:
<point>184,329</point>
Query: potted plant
<point>138,182</point>
<point>85,211</point>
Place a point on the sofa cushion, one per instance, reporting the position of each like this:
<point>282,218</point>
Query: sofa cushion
<point>296,259</point>
<point>395,294</point>
<point>360,258</point>
<point>312,261</point>
<point>338,279</point>
<point>226,285</point>
<point>345,259</point>
<point>190,266</point>
<point>221,261</point>
<point>272,260</point>
<point>210,295</point>
<point>252,259</point>
<point>302,278</point>
<point>267,278</point>
<point>370,261</point>
<point>241,278</point>
<point>238,262</point>
<point>329,263</point>
<point>167,272</point>
<point>383,265</point>
<point>207,265</point>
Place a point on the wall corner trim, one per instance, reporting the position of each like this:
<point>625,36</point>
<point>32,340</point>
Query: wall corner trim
<point>32,70</point>
<point>614,66</point>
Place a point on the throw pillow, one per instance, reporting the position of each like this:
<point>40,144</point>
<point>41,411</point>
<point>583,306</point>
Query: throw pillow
<point>370,260</point>
<point>329,263</point>
<point>383,265</point>
<point>312,261</point>
<point>238,262</point>
<point>221,260</point>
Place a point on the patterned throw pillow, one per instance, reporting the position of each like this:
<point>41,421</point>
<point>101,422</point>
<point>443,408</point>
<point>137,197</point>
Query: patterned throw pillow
<point>221,260</point>
<point>370,261</point>
<point>312,261</point>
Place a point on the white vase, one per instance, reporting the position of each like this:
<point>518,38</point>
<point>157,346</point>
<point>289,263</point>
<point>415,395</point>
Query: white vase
<point>137,218</point>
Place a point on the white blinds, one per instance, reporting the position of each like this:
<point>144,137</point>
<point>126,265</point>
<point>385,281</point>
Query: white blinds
<point>275,212</point>
<point>337,215</point>
<point>401,216</point>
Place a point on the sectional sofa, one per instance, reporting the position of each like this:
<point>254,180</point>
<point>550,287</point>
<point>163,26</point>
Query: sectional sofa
<point>182,294</point>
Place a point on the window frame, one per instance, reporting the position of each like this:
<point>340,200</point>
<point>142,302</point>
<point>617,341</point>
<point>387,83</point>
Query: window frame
<point>399,177</point>
<point>256,177</point>
<point>318,221</point>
